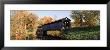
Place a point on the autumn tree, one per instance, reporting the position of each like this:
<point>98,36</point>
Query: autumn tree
<point>86,17</point>
<point>23,23</point>
<point>45,20</point>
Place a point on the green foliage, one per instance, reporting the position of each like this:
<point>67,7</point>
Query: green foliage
<point>30,30</point>
<point>88,33</point>
<point>86,17</point>
<point>30,37</point>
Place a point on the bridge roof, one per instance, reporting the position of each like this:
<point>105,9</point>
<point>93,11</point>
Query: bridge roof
<point>64,19</point>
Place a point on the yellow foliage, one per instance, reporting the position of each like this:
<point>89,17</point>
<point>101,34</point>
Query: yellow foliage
<point>47,19</point>
<point>20,23</point>
<point>53,33</point>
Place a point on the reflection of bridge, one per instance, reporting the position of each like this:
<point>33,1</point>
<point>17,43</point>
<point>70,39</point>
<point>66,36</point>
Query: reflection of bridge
<point>61,25</point>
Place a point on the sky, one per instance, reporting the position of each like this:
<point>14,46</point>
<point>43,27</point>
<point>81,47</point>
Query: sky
<point>56,14</point>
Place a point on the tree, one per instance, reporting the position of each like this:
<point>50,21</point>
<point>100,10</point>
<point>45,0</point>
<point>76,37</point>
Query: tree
<point>86,17</point>
<point>47,19</point>
<point>22,23</point>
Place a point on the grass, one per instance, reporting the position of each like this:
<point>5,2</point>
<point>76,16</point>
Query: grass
<point>82,33</point>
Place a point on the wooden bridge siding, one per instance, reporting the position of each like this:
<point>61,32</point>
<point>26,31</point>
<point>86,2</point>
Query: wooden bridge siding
<point>55,26</point>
